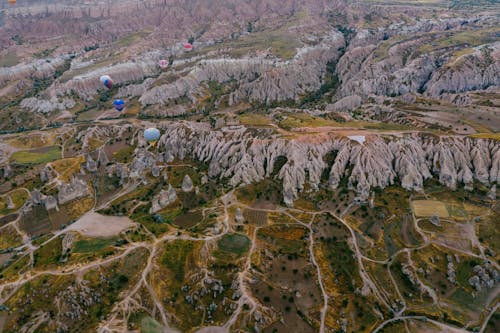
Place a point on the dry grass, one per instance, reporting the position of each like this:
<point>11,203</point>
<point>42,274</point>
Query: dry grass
<point>33,141</point>
<point>494,136</point>
<point>252,119</point>
<point>68,166</point>
<point>430,208</point>
<point>79,207</point>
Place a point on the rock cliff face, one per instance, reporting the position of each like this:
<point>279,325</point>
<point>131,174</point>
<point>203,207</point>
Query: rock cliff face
<point>243,158</point>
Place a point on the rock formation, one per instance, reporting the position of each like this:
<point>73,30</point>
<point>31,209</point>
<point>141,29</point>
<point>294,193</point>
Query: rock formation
<point>76,188</point>
<point>9,203</point>
<point>244,158</point>
<point>187,184</point>
<point>238,215</point>
<point>163,199</point>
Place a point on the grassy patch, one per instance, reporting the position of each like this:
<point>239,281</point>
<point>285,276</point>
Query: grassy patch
<point>92,245</point>
<point>176,256</point>
<point>68,166</point>
<point>9,238</point>
<point>253,119</point>
<point>430,208</point>
<point>18,198</point>
<point>232,246</point>
<point>149,325</point>
<point>493,136</point>
<point>49,254</point>
<point>132,38</point>
<point>31,141</point>
<point>37,156</point>
<point>9,60</point>
<point>282,44</point>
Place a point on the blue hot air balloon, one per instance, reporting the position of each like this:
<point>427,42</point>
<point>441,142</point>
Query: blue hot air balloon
<point>119,104</point>
<point>106,81</point>
<point>151,134</point>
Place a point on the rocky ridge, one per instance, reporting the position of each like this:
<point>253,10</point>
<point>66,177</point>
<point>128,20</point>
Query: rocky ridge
<point>409,159</point>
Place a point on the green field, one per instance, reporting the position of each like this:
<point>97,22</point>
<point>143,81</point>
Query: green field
<point>175,257</point>
<point>232,245</point>
<point>92,245</point>
<point>37,156</point>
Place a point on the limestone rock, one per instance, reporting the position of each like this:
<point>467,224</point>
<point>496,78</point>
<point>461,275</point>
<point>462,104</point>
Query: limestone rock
<point>346,104</point>
<point>10,203</point>
<point>76,188</point>
<point>90,164</point>
<point>245,157</point>
<point>50,202</point>
<point>163,199</point>
<point>102,158</point>
<point>187,184</point>
<point>238,216</point>
<point>492,193</point>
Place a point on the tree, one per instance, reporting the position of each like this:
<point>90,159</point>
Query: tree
<point>249,27</point>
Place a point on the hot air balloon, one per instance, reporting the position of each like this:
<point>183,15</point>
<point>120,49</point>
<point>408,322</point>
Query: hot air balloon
<point>163,63</point>
<point>188,46</point>
<point>106,81</point>
<point>119,104</point>
<point>151,134</point>
<point>12,2</point>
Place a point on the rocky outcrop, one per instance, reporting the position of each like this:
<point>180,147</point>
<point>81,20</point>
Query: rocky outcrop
<point>259,79</point>
<point>50,202</point>
<point>87,85</point>
<point>163,199</point>
<point>38,69</point>
<point>9,203</point>
<point>475,71</point>
<point>187,184</point>
<point>76,188</point>
<point>485,276</point>
<point>90,164</point>
<point>244,157</point>
<point>346,104</point>
<point>238,216</point>
<point>102,158</point>
<point>47,106</point>
<point>492,193</point>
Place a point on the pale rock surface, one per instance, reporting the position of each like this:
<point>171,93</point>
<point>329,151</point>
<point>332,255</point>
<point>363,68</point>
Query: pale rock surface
<point>163,199</point>
<point>76,188</point>
<point>9,202</point>
<point>238,216</point>
<point>243,158</point>
<point>187,184</point>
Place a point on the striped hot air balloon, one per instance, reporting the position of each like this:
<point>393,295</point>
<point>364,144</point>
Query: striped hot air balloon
<point>106,81</point>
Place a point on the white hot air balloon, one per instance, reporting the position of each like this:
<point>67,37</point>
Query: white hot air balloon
<point>151,134</point>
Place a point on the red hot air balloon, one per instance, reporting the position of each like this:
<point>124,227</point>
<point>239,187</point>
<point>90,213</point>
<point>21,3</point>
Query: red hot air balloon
<point>188,46</point>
